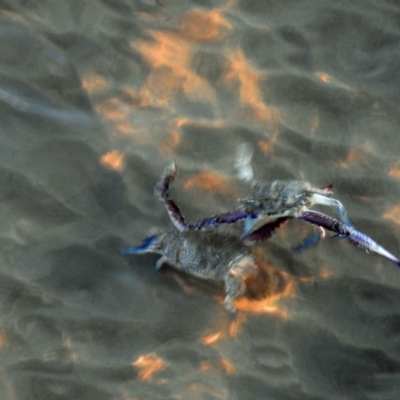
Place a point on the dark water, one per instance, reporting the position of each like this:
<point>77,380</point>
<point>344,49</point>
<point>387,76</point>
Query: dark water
<point>96,97</point>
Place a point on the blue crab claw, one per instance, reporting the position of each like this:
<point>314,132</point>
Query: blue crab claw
<point>342,230</point>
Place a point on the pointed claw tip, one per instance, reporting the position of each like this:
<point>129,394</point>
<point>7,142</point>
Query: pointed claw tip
<point>396,261</point>
<point>170,171</point>
<point>173,167</point>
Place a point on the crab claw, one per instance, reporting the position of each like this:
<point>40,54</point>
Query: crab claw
<point>342,230</point>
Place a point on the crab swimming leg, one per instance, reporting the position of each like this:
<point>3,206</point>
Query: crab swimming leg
<point>310,241</point>
<point>355,237</point>
<point>161,190</point>
<point>149,245</point>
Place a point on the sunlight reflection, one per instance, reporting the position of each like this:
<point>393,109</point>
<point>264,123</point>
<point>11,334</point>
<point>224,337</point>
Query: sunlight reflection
<point>201,26</point>
<point>354,156</point>
<point>170,143</point>
<point>113,159</point>
<point>323,77</point>
<point>269,304</point>
<point>212,338</point>
<point>148,365</point>
<point>217,365</point>
<point>395,169</point>
<point>212,181</point>
<point>393,214</point>
<point>199,389</point>
<point>249,78</point>
<point>170,56</point>
<point>93,82</point>
<point>3,340</point>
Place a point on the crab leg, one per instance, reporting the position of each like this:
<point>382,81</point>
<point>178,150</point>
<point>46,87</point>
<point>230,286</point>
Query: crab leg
<point>310,241</point>
<point>262,233</point>
<point>355,237</point>
<point>328,201</point>
<point>226,218</point>
<point>148,245</point>
<point>244,155</point>
<point>161,190</point>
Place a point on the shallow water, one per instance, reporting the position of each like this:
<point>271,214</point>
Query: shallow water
<point>96,98</point>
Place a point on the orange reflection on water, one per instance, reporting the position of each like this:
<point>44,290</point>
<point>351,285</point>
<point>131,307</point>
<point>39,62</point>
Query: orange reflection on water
<point>270,286</point>
<point>134,98</point>
<point>148,365</point>
<point>170,55</point>
<point>354,156</point>
<point>181,121</point>
<point>93,82</point>
<point>165,49</point>
<point>187,288</point>
<point>201,26</point>
<point>269,304</point>
<point>395,169</point>
<point>112,110</point>
<point>249,78</point>
<point>226,328</point>
<point>323,77</point>
<point>267,146</point>
<point>235,325</point>
<point>212,338</point>
<point>228,366</point>
<point>325,273</point>
<point>393,214</point>
<point>170,143</point>
<point>264,293</point>
<point>113,159</point>
<point>331,80</point>
<point>221,364</point>
<point>3,340</point>
<point>211,181</point>
<point>202,391</point>
<point>206,366</point>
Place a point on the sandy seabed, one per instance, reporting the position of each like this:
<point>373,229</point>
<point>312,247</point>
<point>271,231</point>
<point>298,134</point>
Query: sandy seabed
<point>96,98</point>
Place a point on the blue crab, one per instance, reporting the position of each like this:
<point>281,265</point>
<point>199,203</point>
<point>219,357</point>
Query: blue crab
<point>271,204</point>
<point>205,253</point>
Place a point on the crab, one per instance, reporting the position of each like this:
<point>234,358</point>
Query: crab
<point>204,253</point>
<point>271,204</point>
